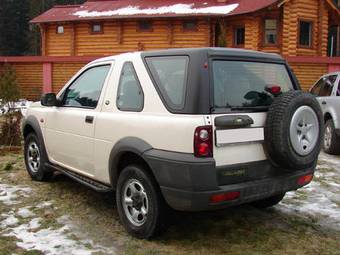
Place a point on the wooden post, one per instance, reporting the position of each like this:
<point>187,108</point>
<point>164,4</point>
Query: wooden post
<point>320,27</point>
<point>47,78</point>
<point>73,40</point>
<point>120,32</point>
<point>42,28</point>
<point>170,32</point>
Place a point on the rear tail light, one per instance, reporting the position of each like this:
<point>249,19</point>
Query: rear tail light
<point>303,180</point>
<point>203,142</point>
<point>218,198</point>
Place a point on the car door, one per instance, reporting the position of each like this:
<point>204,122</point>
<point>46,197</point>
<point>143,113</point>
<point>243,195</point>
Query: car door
<point>325,91</point>
<point>70,127</point>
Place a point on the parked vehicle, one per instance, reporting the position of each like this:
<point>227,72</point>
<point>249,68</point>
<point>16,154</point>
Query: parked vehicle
<point>193,129</point>
<point>327,91</point>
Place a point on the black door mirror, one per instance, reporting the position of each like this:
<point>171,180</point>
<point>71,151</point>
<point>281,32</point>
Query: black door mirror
<point>49,99</point>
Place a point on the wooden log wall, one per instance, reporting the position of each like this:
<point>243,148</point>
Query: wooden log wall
<point>29,78</point>
<point>308,73</point>
<point>62,73</point>
<point>315,11</point>
<point>123,36</point>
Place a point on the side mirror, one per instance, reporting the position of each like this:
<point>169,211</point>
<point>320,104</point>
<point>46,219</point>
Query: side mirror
<point>49,99</point>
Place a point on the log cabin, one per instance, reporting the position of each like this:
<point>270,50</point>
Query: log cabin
<point>305,32</point>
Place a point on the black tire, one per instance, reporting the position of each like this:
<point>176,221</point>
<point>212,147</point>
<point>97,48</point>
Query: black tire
<point>268,202</point>
<point>41,173</point>
<point>331,141</point>
<point>154,223</point>
<point>278,143</point>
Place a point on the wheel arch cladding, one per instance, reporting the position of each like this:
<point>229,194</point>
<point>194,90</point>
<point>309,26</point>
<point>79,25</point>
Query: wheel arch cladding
<point>131,147</point>
<point>31,124</point>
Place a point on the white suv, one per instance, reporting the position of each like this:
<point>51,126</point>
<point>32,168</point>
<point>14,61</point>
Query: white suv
<point>193,129</point>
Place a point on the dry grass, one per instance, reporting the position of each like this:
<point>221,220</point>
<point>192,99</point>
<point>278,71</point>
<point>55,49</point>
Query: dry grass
<point>243,230</point>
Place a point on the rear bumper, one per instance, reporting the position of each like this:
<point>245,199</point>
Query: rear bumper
<point>187,183</point>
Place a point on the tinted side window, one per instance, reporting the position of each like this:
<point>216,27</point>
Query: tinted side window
<point>170,75</point>
<point>86,89</point>
<point>130,95</point>
<point>317,87</point>
<point>328,84</point>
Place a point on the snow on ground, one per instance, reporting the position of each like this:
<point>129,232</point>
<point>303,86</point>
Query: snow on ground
<point>9,194</point>
<point>25,212</point>
<point>320,200</point>
<point>22,224</point>
<point>176,8</point>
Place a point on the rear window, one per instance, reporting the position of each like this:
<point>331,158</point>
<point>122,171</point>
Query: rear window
<point>241,85</point>
<point>170,76</point>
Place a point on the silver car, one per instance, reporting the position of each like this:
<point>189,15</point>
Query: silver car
<point>327,90</point>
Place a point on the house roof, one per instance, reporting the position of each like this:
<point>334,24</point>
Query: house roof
<point>113,9</point>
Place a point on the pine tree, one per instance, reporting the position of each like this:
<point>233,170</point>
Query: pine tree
<point>9,88</point>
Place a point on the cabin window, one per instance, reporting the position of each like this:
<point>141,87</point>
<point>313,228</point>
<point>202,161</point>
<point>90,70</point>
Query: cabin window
<point>85,91</point>
<point>60,29</point>
<point>145,26</point>
<point>305,33</point>
<point>97,28</point>
<point>239,36</point>
<point>130,96</point>
<point>190,25</point>
<point>270,31</point>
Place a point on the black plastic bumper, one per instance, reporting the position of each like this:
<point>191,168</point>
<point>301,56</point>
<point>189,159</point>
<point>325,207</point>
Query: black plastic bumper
<point>187,183</point>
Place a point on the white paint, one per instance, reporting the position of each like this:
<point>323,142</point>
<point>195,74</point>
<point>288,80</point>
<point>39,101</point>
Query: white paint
<point>240,135</point>
<point>176,9</point>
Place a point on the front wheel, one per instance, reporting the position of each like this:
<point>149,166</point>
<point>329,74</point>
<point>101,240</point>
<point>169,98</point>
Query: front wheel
<point>139,203</point>
<point>331,141</point>
<point>35,159</point>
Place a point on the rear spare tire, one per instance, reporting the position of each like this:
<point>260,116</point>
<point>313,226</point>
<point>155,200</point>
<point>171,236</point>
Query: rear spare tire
<point>293,131</point>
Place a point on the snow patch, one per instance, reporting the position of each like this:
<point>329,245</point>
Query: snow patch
<point>176,9</point>
<point>9,221</point>
<point>320,199</point>
<point>44,204</point>
<point>25,212</point>
<point>9,194</point>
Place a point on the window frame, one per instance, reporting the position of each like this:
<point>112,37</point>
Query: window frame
<point>64,92</point>
<point>277,32</point>
<point>96,24</point>
<point>194,21</point>
<point>139,29</point>
<point>57,29</point>
<point>139,85</point>
<point>235,28</point>
<point>311,43</point>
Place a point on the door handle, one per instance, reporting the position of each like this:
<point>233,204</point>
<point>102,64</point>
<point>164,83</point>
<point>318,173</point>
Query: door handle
<point>89,119</point>
<point>323,102</point>
<point>233,121</point>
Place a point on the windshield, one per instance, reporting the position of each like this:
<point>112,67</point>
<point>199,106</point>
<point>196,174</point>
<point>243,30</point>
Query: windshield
<point>239,85</point>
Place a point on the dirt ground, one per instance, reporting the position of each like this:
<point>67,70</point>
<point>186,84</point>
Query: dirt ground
<point>64,217</point>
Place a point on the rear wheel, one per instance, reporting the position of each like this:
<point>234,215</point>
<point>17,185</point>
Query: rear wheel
<point>268,202</point>
<point>35,159</point>
<point>331,141</point>
<point>139,202</point>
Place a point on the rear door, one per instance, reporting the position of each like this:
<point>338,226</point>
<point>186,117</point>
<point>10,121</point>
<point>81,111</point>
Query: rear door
<point>242,93</point>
